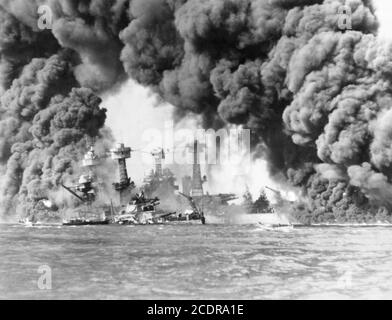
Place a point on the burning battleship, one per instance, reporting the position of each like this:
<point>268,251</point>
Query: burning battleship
<point>326,136</point>
<point>89,213</point>
<point>126,206</point>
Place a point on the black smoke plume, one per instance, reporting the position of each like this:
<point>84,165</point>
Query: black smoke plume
<point>311,93</point>
<point>317,98</point>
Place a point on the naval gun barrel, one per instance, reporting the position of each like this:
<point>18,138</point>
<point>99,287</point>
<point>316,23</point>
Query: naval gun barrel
<point>73,193</point>
<point>227,196</point>
<point>273,190</point>
<point>165,215</point>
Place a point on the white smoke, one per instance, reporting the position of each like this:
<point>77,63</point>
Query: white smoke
<point>384,9</point>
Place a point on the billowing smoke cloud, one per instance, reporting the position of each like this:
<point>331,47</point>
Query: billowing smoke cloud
<point>312,93</point>
<point>315,97</point>
<point>44,127</point>
<point>46,117</point>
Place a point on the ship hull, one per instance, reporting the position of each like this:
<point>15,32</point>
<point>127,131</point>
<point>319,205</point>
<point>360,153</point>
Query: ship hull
<point>86,223</point>
<point>155,221</point>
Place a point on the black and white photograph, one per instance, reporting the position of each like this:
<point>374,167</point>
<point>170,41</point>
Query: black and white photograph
<point>195,150</point>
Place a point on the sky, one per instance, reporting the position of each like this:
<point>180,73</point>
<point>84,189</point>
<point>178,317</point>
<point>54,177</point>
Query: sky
<point>133,109</point>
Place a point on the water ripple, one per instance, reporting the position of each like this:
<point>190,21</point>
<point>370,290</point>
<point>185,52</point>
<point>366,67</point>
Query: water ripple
<point>196,262</point>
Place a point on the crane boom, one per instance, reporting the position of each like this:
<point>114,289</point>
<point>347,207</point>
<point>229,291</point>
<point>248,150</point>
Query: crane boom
<point>192,203</point>
<point>195,207</point>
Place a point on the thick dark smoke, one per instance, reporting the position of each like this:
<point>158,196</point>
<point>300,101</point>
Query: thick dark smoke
<point>311,93</point>
<point>317,98</point>
<point>46,117</point>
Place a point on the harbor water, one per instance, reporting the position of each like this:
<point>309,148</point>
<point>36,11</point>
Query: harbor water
<point>195,262</point>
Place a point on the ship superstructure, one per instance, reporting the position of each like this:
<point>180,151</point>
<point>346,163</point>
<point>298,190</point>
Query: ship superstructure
<point>159,156</point>
<point>89,212</point>
<point>86,188</point>
<point>125,185</point>
<point>160,181</point>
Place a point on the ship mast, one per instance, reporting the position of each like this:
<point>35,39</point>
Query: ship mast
<point>125,185</point>
<point>90,162</point>
<point>158,156</point>
<point>86,181</point>
<point>197,182</point>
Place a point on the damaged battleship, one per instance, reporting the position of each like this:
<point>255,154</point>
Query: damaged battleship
<point>129,204</point>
